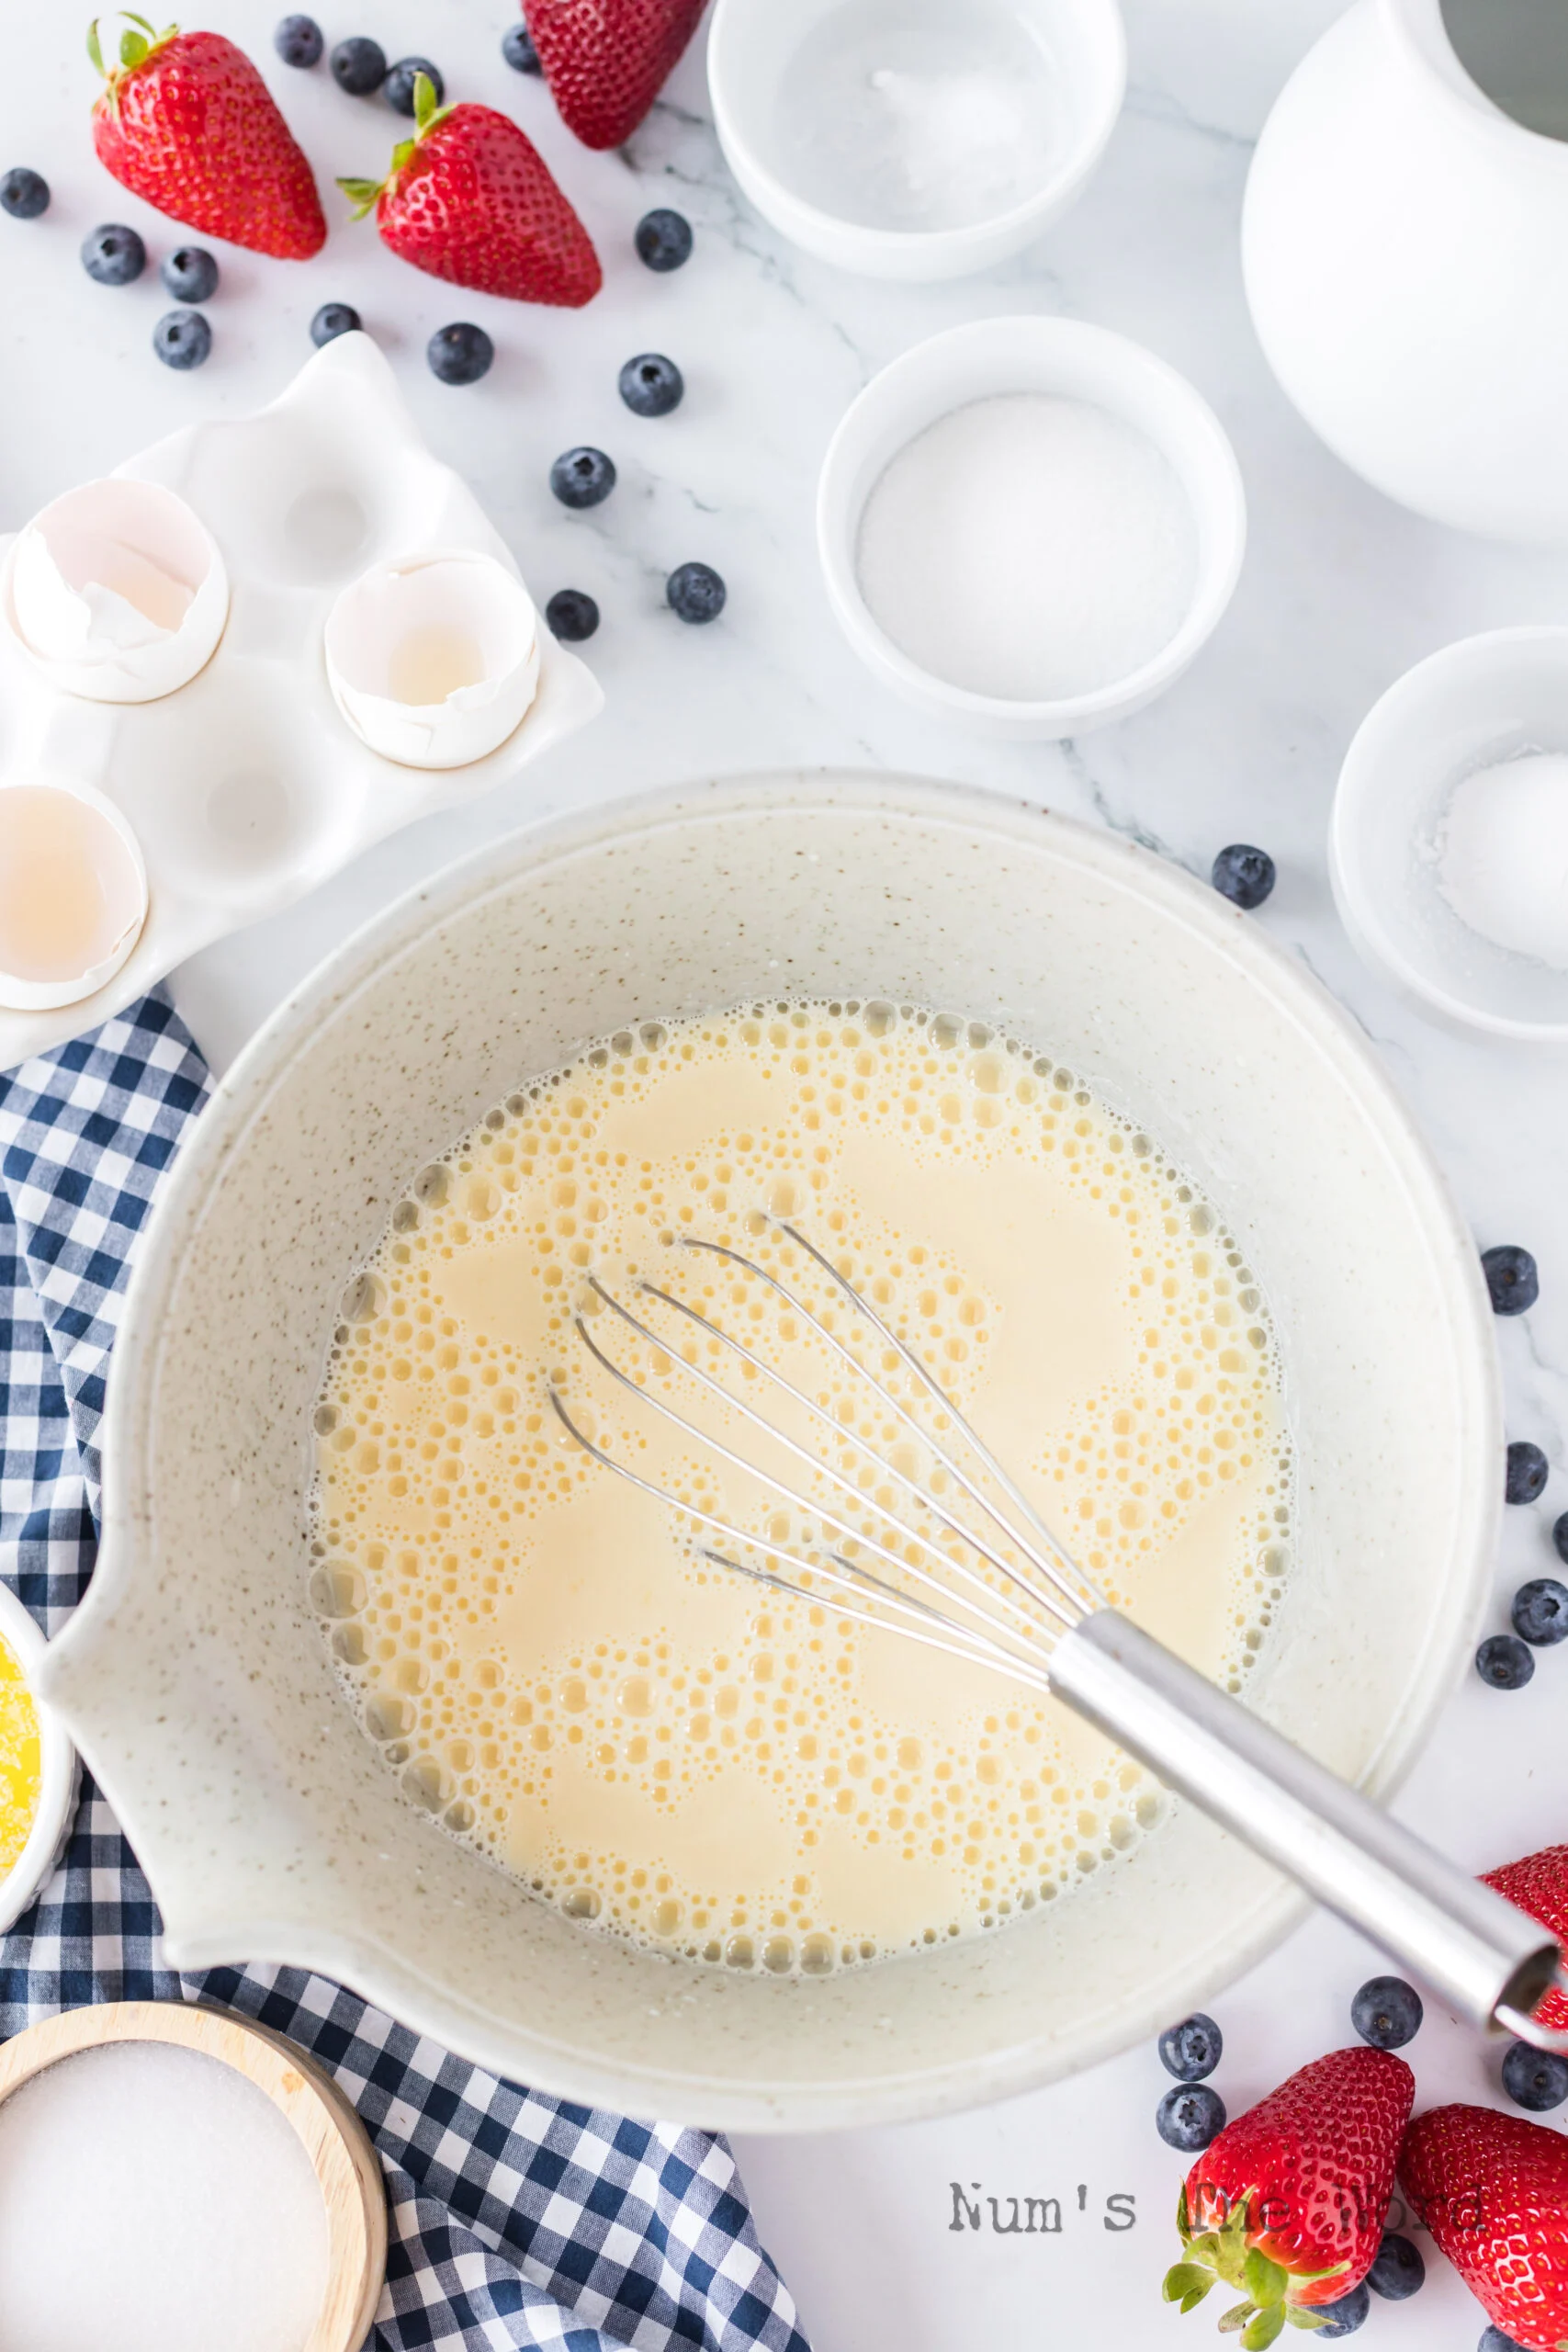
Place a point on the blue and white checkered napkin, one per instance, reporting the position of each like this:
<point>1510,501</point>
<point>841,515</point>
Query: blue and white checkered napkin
<point>515,2219</point>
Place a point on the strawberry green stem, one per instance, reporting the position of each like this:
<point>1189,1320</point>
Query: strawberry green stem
<point>136,46</point>
<point>1224,2254</point>
<point>427,116</point>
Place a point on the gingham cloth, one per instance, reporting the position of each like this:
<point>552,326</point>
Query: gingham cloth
<point>515,2219</point>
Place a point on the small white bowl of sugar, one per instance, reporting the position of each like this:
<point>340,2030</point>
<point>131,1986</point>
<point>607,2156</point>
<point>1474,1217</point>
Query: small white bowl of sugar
<point>1030,527</point>
<point>1448,842</point>
<point>915,139</point>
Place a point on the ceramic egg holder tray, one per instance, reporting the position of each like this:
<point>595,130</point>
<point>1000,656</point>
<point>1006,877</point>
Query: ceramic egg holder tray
<point>247,786</point>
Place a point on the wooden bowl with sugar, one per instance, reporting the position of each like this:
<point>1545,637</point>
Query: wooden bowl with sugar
<point>325,2126</point>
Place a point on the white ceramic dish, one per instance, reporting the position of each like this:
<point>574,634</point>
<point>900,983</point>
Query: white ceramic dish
<point>195,1675</point>
<point>750,46</point>
<point>1074,362</point>
<point>62,1773</point>
<point>246,787</point>
<point>1404,251</point>
<point>1475,703</point>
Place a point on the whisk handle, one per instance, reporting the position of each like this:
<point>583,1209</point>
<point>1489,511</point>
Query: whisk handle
<point>1491,1961</point>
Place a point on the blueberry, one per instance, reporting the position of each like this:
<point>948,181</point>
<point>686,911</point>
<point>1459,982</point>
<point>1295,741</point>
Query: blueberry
<point>1345,2316</point>
<point>459,353</point>
<point>1505,1662</point>
<point>397,88</point>
<point>190,273</point>
<point>1535,2078</point>
<point>1387,2012</point>
<point>1527,1471</point>
<point>694,592</point>
<point>582,477</point>
<point>573,615</point>
<point>1193,2049</point>
<point>23,193</point>
<point>1243,876</point>
<point>113,255</point>
<point>298,41</point>
<point>1189,2117</point>
<point>1398,2269</point>
<point>359,66</point>
<point>651,385</point>
<point>517,48</point>
<point>1511,1278</point>
<point>663,239</point>
<point>1495,2341</point>
<point>1560,1536</point>
<point>331,321</point>
<point>1541,1612</point>
<point>182,339</point>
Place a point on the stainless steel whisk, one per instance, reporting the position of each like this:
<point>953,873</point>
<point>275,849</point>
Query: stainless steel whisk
<point>990,1584</point>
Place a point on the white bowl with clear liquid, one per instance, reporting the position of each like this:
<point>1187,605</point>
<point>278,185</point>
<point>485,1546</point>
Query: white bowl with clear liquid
<point>196,1679</point>
<point>986,124</point>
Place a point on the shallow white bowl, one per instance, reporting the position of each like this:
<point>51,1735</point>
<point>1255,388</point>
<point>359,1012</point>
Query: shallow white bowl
<point>751,43</point>
<point>1476,702</point>
<point>1074,362</point>
<point>58,1785</point>
<point>195,1675</point>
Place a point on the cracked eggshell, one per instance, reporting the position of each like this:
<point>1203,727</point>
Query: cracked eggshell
<point>434,661</point>
<point>72,892</point>
<point>117,591</point>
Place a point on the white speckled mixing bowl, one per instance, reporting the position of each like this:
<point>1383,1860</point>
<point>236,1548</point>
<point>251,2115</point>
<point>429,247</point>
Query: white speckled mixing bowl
<point>195,1678</point>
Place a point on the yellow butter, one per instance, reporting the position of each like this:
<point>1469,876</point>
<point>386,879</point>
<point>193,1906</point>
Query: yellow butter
<point>21,1758</point>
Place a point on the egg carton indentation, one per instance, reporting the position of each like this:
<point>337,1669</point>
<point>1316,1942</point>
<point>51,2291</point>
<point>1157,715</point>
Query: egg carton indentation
<point>247,786</point>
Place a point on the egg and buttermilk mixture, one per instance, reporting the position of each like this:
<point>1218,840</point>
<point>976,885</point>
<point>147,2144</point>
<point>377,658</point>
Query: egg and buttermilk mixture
<point>541,1652</point>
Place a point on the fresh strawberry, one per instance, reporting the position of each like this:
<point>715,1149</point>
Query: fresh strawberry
<point>1492,2189</point>
<point>1539,1884</point>
<point>607,61</point>
<point>187,123</point>
<point>470,198</point>
<point>1289,2203</point>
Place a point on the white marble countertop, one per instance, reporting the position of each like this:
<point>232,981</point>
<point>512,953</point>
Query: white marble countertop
<point>1341,592</point>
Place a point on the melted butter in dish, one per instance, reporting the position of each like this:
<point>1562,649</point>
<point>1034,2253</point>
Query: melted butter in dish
<point>543,1654</point>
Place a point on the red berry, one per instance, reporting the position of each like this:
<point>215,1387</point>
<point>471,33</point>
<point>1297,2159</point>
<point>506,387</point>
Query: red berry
<point>187,123</point>
<point>1539,1884</point>
<point>470,200</point>
<point>607,61</point>
<point>1492,2189</point>
<point>1287,2206</point>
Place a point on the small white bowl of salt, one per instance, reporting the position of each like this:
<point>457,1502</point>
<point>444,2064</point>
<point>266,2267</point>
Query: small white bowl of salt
<point>1449,842</point>
<point>1030,527</point>
<point>915,139</point>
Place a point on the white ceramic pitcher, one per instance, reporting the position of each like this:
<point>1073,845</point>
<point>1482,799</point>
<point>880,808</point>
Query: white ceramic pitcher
<point>1406,251</point>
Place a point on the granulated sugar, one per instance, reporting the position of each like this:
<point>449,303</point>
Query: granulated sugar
<point>152,2199</point>
<point>1029,548</point>
<point>1503,845</point>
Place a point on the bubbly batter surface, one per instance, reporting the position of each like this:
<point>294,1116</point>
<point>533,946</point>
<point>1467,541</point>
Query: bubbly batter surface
<point>543,1654</point>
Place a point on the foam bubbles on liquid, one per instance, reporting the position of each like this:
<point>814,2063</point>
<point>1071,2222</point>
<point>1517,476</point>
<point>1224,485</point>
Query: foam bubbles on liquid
<point>664,1750</point>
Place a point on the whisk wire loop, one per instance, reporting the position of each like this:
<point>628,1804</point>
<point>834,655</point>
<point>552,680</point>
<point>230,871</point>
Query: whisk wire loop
<point>1045,1554</point>
<point>1068,1572</point>
<point>840,1526</point>
<point>910,1486</point>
